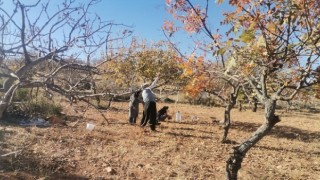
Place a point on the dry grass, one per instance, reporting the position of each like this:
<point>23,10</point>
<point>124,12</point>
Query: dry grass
<point>186,150</point>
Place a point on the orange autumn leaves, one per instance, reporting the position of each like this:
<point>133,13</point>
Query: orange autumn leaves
<point>194,71</point>
<point>191,17</point>
<point>277,37</point>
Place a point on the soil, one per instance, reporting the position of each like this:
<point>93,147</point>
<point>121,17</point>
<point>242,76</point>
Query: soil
<point>189,149</point>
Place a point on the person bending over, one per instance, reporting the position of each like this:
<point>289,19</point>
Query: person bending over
<point>163,114</point>
<point>149,107</point>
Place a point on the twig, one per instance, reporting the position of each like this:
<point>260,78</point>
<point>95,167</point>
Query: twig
<point>75,123</point>
<point>104,117</point>
<point>14,152</point>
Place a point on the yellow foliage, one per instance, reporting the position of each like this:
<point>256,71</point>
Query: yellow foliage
<point>219,1</point>
<point>261,42</point>
<point>247,36</point>
<point>272,27</point>
<point>317,91</point>
<point>191,59</point>
<point>187,72</point>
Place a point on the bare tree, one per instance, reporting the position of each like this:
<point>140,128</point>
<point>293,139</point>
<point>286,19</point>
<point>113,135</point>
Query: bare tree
<point>50,39</point>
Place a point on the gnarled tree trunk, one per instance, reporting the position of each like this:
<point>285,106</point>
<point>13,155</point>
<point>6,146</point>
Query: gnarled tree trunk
<point>227,119</point>
<point>234,162</point>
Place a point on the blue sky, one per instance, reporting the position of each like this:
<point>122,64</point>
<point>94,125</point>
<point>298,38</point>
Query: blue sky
<point>147,17</point>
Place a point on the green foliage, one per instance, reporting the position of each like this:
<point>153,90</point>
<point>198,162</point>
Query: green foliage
<point>247,36</point>
<point>22,95</point>
<point>43,108</point>
<point>241,96</point>
<point>219,52</point>
<point>40,107</point>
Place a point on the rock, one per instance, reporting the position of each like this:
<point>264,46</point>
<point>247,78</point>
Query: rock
<point>140,166</point>
<point>110,170</point>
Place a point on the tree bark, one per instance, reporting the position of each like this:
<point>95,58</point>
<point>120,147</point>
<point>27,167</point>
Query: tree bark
<point>240,106</point>
<point>238,153</point>
<point>255,107</point>
<point>227,119</point>
<point>6,99</point>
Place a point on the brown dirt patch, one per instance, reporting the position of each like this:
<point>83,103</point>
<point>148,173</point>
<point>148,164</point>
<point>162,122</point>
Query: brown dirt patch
<point>187,150</point>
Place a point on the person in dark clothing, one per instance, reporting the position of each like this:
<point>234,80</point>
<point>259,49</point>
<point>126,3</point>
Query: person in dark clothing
<point>149,108</point>
<point>163,114</point>
<point>134,107</point>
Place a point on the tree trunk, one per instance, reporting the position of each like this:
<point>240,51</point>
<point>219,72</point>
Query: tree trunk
<point>227,119</point>
<point>94,88</point>
<point>255,107</point>
<point>6,99</point>
<point>255,104</point>
<point>240,106</point>
<point>238,153</point>
<point>3,108</point>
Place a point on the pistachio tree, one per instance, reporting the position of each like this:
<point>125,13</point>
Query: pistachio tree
<point>275,49</point>
<point>194,18</point>
<point>53,39</point>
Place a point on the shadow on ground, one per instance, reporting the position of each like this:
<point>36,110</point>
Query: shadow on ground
<point>297,151</point>
<point>280,131</point>
<point>188,135</point>
<point>28,165</point>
